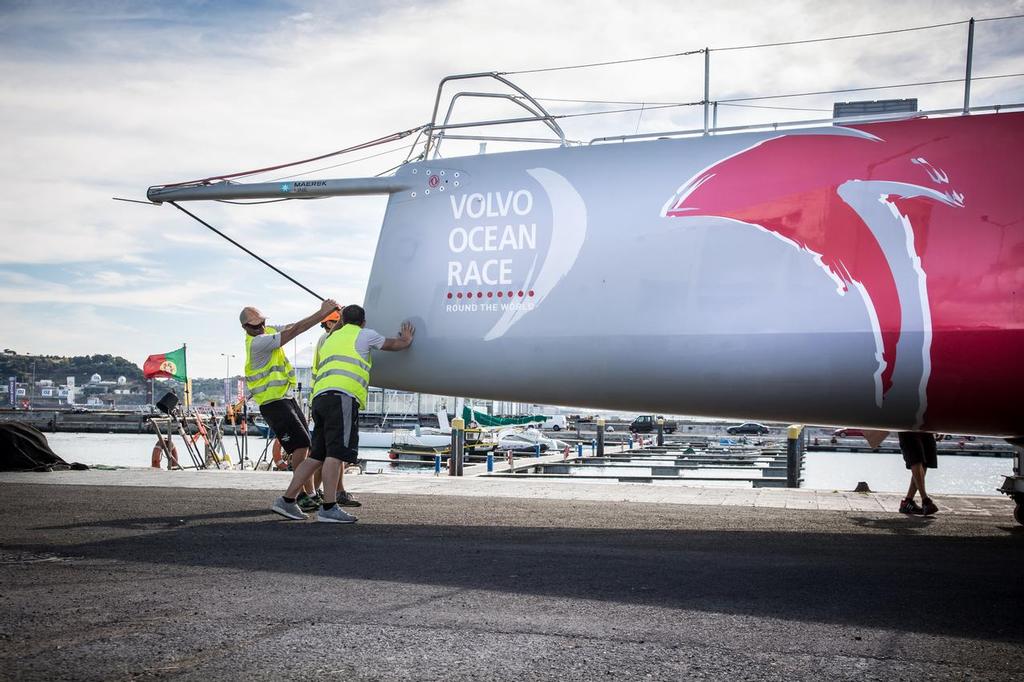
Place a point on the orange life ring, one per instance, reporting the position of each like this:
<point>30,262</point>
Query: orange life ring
<point>279,463</point>
<point>158,453</point>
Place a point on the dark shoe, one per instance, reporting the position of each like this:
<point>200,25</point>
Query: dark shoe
<point>928,507</point>
<point>346,500</point>
<point>909,507</point>
<point>307,503</point>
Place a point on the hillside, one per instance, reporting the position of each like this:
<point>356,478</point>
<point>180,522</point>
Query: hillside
<point>59,368</point>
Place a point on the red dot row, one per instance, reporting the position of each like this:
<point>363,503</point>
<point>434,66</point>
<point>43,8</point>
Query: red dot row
<point>490,294</point>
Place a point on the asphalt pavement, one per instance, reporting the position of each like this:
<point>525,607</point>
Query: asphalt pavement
<point>135,582</point>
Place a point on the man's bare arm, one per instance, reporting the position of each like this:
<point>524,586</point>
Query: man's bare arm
<point>403,340</point>
<point>307,323</point>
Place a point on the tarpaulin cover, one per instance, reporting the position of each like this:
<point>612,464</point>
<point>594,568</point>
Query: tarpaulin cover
<point>24,448</point>
<point>482,419</point>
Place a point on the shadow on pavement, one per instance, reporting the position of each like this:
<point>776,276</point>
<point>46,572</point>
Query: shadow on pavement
<point>897,578</point>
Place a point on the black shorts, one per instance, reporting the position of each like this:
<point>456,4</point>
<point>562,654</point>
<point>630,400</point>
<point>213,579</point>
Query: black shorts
<point>919,448</point>
<point>286,421</point>
<point>336,427</point>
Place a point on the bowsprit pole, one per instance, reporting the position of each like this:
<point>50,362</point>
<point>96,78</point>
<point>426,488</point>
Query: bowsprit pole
<point>275,269</point>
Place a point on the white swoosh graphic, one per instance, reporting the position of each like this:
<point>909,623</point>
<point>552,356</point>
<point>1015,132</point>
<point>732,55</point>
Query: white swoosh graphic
<point>568,231</point>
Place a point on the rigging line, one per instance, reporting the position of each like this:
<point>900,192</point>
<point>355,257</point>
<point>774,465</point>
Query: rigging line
<point>876,87</point>
<point>136,201</point>
<point>215,230</point>
<point>761,106</point>
<point>597,101</point>
<point>609,63</point>
<point>844,37</point>
<point>241,174</point>
<point>338,165</point>
<point>1008,16</point>
<point>609,101</point>
<point>383,172</point>
<point>759,45</point>
<point>626,111</point>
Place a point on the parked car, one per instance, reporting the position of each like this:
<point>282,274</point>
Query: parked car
<point>748,429</point>
<point>953,436</point>
<point>847,433</point>
<point>648,423</point>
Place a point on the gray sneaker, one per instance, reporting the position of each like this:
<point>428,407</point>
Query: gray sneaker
<point>335,515</point>
<point>289,510</point>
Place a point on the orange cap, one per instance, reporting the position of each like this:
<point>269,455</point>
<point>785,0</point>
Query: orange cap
<point>332,317</point>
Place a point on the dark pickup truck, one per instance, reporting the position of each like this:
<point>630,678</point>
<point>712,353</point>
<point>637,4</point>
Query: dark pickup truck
<point>647,423</point>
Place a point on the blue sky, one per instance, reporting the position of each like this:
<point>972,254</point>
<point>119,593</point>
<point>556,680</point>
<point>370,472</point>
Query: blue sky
<point>103,99</point>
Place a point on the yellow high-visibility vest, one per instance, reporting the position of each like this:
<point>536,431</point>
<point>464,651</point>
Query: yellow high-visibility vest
<point>338,366</point>
<point>272,380</point>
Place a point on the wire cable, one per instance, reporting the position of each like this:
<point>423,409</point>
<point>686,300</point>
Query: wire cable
<point>241,174</point>
<point>651,104</point>
<point>218,232</point>
<point>599,101</point>
<point>843,37</point>
<point>765,106</point>
<point>600,64</point>
<point>758,45</point>
<point>874,87</point>
<point>339,165</point>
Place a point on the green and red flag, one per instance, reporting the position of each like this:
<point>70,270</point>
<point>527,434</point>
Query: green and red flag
<point>166,365</point>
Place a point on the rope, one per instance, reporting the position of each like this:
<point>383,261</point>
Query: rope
<point>218,232</point>
<point>241,174</point>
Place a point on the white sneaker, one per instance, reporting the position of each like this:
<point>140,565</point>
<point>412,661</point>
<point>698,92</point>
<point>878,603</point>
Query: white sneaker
<point>289,510</point>
<point>334,515</point>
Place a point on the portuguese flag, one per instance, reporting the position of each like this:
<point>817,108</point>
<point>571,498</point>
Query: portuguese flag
<point>166,365</point>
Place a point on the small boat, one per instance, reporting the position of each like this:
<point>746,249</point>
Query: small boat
<point>261,425</point>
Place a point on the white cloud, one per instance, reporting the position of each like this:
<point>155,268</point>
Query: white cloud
<point>103,100</point>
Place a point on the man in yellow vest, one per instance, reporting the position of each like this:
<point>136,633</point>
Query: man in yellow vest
<point>341,377</point>
<point>271,379</point>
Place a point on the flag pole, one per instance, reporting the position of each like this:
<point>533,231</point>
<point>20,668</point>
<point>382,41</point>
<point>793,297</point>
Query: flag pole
<point>188,389</point>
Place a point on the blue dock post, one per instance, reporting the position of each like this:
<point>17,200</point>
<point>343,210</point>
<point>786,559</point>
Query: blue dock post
<point>630,442</point>
<point>437,465</point>
<point>536,450</point>
<point>593,446</point>
<point>579,449</point>
<point>490,462</point>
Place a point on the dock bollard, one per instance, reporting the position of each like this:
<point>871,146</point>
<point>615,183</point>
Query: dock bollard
<point>536,450</point>
<point>600,437</point>
<point>579,449</point>
<point>661,431</point>
<point>793,456</point>
<point>490,462</point>
<point>631,442</point>
<point>458,447</point>
<point>510,458</point>
<point>437,465</point>
<point>593,446</point>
